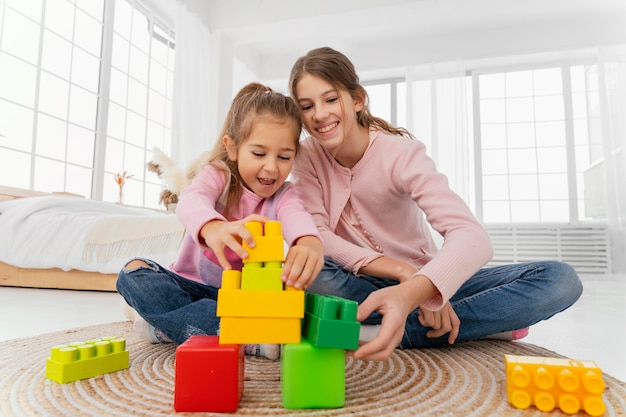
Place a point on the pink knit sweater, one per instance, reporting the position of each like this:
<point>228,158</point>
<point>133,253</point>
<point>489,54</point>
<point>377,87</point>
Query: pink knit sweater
<point>394,190</point>
<point>199,204</point>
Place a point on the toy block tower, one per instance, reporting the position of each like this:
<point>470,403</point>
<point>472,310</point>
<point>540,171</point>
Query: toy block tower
<point>547,383</point>
<point>209,376</point>
<point>252,305</point>
<point>82,360</point>
<point>313,371</point>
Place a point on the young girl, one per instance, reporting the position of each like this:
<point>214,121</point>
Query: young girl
<point>243,180</point>
<point>371,188</point>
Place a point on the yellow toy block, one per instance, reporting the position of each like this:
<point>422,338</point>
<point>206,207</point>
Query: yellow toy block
<point>262,278</point>
<point>248,330</point>
<point>260,303</point>
<point>547,383</point>
<point>268,246</point>
<point>231,279</point>
<point>82,360</point>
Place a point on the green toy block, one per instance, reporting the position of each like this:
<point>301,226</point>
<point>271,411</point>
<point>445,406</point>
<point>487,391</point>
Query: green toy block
<point>82,360</point>
<point>312,377</point>
<point>265,277</point>
<point>330,321</point>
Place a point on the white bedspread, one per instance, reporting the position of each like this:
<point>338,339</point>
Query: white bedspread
<point>88,235</point>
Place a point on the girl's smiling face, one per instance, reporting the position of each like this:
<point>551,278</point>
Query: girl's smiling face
<point>328,114</point>
<point>266,156</point>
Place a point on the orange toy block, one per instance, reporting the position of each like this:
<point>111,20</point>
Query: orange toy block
<point>248,330</point>
<point>268,242</point>
<point>547,383</point>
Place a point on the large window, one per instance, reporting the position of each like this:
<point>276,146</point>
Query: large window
<point>535,145</point>
<point>533,133</point>
<point>85,93</point>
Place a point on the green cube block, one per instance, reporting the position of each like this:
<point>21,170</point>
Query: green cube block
<point>312,377</point>
<point>330,321</point>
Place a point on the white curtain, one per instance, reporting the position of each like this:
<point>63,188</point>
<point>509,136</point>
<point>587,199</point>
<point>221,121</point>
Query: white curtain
<point>437,114</point>
<point>612,86</point>
<point>192,87</point>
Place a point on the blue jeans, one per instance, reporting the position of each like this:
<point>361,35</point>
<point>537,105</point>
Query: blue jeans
<point>177,306</point>
<point>493,300</point>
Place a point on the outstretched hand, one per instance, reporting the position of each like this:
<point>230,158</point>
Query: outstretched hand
<point>394,305</point>
<point>219,235</point>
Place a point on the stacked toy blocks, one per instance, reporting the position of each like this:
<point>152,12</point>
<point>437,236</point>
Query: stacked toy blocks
<point>253,308</point>
<point>547,383</point>
<point>82,360</point>
<point>252,305</point>
<point>209,376</point>
<point>313,371</point>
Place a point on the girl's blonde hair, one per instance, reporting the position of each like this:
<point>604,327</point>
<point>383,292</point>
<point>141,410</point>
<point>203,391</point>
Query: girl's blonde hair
<point>253,102</point>
<point>335,68</point>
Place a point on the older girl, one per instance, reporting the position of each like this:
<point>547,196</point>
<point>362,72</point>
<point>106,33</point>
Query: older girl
<point>371,189</point>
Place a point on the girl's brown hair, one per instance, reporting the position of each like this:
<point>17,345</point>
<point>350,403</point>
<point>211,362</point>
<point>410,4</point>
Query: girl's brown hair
<point>253,102</point>
<point>335,68</point>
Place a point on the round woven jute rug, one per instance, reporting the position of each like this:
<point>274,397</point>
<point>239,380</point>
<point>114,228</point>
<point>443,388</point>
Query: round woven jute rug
<point>464,380</point>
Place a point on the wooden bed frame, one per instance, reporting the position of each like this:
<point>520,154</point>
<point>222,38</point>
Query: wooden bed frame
<point>12,276</point>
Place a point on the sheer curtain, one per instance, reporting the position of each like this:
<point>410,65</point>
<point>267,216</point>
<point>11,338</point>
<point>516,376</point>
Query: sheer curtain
<point>192,107</point>
<point>612,86</point>
<point>439,114</point>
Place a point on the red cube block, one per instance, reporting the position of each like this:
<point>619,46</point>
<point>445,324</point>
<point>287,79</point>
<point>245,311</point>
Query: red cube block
<point>208,376</point>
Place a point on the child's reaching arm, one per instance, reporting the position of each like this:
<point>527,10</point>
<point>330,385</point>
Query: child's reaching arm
<point>304,261</point>
<point>220,234</point>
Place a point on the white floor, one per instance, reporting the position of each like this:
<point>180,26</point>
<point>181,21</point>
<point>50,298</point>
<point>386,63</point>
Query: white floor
<point>592,329</point>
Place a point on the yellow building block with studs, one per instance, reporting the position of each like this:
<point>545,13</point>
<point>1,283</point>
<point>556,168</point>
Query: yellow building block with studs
<point>260,303</point>
<point>249,330</point>
<point>82,360</point>
<point>258,316</point>
<point>548,383</point>
<point>266,277</point>
<point>268,242</point>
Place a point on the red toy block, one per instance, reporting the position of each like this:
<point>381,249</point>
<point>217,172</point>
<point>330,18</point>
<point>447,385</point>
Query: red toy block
<point>209,376</point>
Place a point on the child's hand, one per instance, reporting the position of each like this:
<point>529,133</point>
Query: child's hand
<point>303,262</point>
<point>219,235</point>
<point>393,303</point>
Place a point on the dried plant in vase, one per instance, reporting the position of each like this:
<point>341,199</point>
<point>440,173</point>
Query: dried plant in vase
<point>120,179</point>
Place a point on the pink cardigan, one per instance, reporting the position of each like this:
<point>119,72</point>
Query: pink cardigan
<point>199,203</point>
<point>394,190</point>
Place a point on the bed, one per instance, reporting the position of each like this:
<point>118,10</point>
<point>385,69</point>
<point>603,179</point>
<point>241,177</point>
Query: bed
<point>64,241</point>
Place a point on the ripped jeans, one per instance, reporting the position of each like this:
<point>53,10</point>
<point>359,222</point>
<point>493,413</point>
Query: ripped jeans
<point>493,300</point>
<point>177,306</point>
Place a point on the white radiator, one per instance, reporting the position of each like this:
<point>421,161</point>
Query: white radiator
<point>584,247</point>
